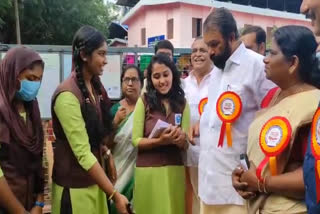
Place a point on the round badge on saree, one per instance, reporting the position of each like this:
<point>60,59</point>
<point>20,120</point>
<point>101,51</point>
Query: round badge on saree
<point>202,104</point>
<point>229,107</point>
<point>315,148</point>
<point>274,137</point>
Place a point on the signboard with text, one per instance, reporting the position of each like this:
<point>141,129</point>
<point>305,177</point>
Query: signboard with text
<point>152,41</point>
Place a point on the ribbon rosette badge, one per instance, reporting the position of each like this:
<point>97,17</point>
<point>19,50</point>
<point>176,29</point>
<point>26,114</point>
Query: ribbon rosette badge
<point>315,148</point>
<point>229,107</point>
<point>274,138</point>
<point>202,104</point>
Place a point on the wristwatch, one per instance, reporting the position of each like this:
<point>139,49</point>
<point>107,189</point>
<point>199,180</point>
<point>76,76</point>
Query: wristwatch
<point>39,204</point>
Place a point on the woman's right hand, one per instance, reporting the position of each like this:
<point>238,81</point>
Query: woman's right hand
<point>121,203</point>
<point>120,115</point>
<point>241,187</point>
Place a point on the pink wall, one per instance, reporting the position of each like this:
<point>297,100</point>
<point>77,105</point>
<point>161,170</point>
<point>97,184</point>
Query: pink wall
<point>154,19</point>
<point>134,34</point>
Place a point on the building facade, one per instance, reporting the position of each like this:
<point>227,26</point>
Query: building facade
<point>181,21</point>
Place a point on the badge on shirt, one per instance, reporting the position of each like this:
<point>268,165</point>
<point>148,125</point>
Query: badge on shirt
<point>274,137</point>
<point>315,148</point>
<point>229,107</point>
<point>177,119</point>
<point>202,104</point>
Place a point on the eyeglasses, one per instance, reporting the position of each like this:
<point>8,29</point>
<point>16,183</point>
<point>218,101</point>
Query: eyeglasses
<point>127,80</point>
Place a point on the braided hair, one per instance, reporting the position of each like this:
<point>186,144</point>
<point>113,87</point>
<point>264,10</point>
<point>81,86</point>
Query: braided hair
<point>86,40</point>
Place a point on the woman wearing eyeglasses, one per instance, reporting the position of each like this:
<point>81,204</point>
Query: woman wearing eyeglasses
<point>124,154</point>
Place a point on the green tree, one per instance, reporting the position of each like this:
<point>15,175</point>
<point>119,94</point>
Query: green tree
<point>54,22</point>
<point>5,5</point>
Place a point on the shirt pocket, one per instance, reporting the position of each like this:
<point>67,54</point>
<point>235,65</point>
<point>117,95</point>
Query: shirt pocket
<point>238,89</point>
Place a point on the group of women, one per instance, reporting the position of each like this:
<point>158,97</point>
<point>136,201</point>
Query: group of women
<point>92,139</point>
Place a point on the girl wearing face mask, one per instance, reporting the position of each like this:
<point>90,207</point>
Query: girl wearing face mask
<point>81,122</point>
<point>159,175</point>
<point>21,134</point>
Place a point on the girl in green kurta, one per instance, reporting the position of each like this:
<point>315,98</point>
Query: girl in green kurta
<point>159,175</point>
<point>81,122</point>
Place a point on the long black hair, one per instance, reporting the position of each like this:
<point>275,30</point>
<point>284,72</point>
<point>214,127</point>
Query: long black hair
<point>86,40</point>
<point>299,41</point>
<point>175,95</point>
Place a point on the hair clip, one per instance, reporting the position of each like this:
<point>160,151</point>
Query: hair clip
<point>101,97</point>
<point>87,100</point>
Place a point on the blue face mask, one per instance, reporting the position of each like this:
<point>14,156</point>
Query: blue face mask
<point>28,90</point>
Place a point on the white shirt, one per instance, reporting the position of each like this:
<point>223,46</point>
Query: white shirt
<point>194,93</point>
<point>244,74</point>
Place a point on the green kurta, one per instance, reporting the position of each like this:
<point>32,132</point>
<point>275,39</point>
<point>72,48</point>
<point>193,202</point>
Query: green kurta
<point>1,173</point>
<point>158,190</point>
<point>84,200</point>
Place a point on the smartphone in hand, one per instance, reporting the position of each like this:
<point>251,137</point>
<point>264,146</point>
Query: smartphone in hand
<point>244,161</point>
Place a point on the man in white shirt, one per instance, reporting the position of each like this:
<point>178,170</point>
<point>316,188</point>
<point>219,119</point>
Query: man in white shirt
<point>196,89</point>
<point>240,71</point>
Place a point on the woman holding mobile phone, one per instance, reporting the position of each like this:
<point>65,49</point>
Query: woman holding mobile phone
<point>277,137</point>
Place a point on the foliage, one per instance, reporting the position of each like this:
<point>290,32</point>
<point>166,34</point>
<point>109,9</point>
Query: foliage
<point>54,22</point>
<point>5,6</point>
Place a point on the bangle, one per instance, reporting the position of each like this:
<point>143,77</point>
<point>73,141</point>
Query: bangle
<point>39,204</point>
<point>111,196</point>
<point>264,185</point>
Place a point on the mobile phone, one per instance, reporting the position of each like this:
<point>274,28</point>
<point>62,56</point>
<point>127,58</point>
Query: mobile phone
<point>130,209</point>
<point>244,161</point>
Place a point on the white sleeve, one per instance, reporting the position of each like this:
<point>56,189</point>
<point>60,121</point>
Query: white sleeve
<point>261,85</point>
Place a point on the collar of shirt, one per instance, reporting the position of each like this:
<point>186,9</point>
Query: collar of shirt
<point>237,56</point>
<point>194,79</point>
